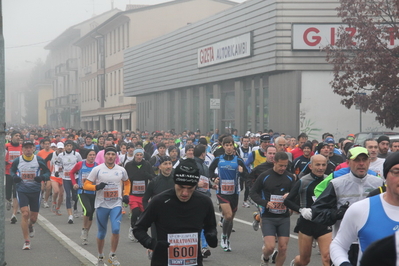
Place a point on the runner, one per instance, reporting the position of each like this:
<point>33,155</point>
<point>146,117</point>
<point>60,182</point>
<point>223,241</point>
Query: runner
<point>56,182</point>
<point>107,179</point>
<point>28,171</point>
<point>46,186</point>
<point>230,169</point>
<point>269,191</point>
<point>179,215</point>
<point>140,173</point>
<point>85,197</point>
<point>67,161</point>
<point>306,229</point>
<point>13,151</point>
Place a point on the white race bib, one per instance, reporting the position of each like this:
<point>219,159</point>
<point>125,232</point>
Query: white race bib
<point>183,249</point>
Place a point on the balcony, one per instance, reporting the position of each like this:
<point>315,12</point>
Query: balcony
<point>49,74</point>
<point>61,70</point>
<point>72,64</point>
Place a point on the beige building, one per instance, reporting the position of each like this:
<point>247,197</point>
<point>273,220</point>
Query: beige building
<point>63,109</point>
<point>101,75</point>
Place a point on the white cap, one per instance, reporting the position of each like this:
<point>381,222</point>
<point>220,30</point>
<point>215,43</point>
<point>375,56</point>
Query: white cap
<point>257,135</point>
<point>53,145</point>
<point>60,145</point>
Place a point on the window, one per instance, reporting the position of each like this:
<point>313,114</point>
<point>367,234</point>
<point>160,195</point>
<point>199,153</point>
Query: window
<point>114,40</point>
<point>127,34</point>
<point>119,39</point>
<point>123,36</point>
<point>120,82</point>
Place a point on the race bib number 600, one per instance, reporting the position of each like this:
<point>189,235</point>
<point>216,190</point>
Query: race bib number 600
<point>183,249</point>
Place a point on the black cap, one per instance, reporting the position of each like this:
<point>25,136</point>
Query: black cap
<point>382,138</point>
<point>391,160</point>
<point>27,142</point>
<point>164,158</point>
<point>321,145</point>
<point>186,173</point>
<point>109,149</point>
<point>307,144</point>
<point>264,137</point>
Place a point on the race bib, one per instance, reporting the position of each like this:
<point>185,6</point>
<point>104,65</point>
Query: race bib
<point>278,204</point>
<point>228,187</point>
<point>111,192</point>
<point>12,155</point>
<point>138,187</point>
<point>183,249</point>
<point>28,175</point>
<point>84,176</point>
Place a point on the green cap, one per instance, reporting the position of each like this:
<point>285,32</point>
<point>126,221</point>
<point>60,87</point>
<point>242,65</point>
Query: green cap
<point>356,151</point>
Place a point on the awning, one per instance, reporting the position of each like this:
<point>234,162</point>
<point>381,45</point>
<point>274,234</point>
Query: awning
<point>96,118</point>
<point>125,116</point>
<point>116,116</point>
<point>87,119</point>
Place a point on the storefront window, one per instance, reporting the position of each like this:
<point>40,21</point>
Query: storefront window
<point>209,113</point>
<point>196,109</point>
<point>183,114</point>
<point>265,107</point>
<point>228,105</point>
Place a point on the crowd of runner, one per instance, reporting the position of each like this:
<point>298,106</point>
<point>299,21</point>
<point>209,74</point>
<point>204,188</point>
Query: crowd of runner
<point>163,181</point>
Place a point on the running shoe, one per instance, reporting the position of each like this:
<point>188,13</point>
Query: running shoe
<point>8,203</point>
<point>274,255</point>
<point>76,214</point>
<point>58,211</point>
<point>233,230</point>
<point>131,236</point>
<point>255,223</point>
<point>113,260</point>
<point>31,231</point>
<point>205,252</point>
<point>314,243</point>
<point>54,207</point>
<point>149,254</point>
<point>292,263</point>
<point>85,242</point>
<point>85,234</point>
<point>245,204</point>
<point>70,219</point>
<point>13,219</point>
<point>26,245</point>
<point>45,204</point>
<point>228,248</point>
<point>223,242</point>
<point>264,262</point>
<point>100,261</point>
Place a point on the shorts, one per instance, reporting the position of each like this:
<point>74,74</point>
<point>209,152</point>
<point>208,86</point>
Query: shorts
<point>29,199</point>
<point>276,226</point>
<point>114,215</point>
<point>87,202</point>
<point>136,202</point>
<point>231,199</point>
<point>56,179</point>
<point>311,229</point>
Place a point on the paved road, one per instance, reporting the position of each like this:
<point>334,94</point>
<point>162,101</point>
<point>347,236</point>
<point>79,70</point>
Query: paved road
<point>57,243</point>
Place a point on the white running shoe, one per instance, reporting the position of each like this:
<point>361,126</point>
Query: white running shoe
<point>76,214</point>
<point>131,236</point>
<point>8,203</point>
<point>255,223</point>
<point>223,242</point>
<point>245,204</point>
<point>100,261</point>
<point>26,245</point>
<point>113,260</point>
<point>45,204</point>
<point>70,219</point>
<point>85,234</point>
<point>264,262</point>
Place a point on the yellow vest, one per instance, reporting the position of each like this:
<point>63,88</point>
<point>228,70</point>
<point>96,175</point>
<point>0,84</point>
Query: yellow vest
<point>259,158</point>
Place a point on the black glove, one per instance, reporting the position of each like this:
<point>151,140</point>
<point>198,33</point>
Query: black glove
<point>161,246</point>
<point>212,240</point>
<point>101,186</point>
<point>345,264</point>
<point>38,179</point>
<point>17,179</point>
<point>125,199</point>
<point>341,211</point>
<point>150,243</point>
<point>56,174</point>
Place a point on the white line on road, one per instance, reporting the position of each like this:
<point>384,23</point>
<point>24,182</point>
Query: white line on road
<point>248,223</point>
<point>66,241</point>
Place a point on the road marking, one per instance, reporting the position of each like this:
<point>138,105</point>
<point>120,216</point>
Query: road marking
<point>83,255</point>
<point>248,223</point>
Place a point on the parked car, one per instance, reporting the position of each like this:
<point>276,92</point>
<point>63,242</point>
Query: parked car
<point>362,136</point>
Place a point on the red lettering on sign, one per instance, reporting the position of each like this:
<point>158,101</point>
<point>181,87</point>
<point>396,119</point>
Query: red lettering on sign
<point>206,55</point>
<point>352,32</point>
<point>316,39</point>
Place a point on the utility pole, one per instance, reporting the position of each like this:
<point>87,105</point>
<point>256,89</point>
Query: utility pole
<point>2,140</point>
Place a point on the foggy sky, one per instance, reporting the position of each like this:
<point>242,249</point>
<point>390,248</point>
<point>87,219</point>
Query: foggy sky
<point>33,23</point>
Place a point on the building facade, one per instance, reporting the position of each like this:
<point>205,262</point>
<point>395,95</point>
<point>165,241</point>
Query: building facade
<point>103,103</point>
<point>255,66</point>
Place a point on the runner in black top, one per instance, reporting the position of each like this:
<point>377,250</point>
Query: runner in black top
<point>307,229</point>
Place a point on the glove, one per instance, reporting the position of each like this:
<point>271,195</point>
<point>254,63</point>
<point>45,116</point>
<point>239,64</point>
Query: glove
<point>125,199</point>
<point>101,186</point>
<point>38,179</point>
<point>212,240</point>
<point>346,263</point>
<point>341,211</point>
<point>306,213</point>
<point>150,243</point>
<point>17,179</point>
<point>56,174</point>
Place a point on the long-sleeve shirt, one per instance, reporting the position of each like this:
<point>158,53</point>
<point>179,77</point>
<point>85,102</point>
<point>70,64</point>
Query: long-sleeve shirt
<point>159,184</point>
<point>175,219</point>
